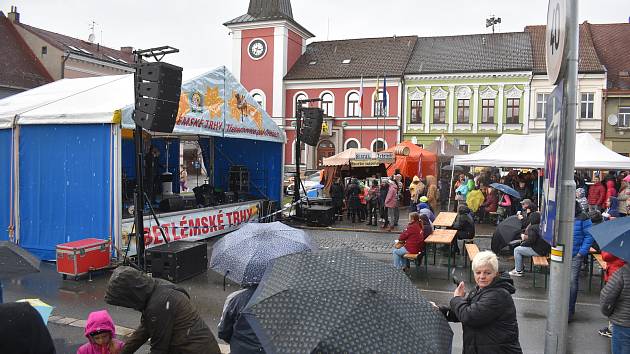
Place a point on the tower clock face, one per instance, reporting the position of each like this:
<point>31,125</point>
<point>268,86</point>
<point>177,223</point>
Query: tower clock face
<point>257,49</point>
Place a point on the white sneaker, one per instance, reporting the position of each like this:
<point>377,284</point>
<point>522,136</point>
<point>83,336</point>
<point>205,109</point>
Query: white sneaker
<point>516,273</point>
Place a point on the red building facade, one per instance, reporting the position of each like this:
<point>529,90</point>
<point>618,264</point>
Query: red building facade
<point>272,60</point>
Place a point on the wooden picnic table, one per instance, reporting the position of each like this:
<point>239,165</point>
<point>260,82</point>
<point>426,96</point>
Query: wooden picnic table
<point>444,219</point>
<point>441,237</point>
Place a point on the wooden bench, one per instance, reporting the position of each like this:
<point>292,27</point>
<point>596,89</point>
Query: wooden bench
<point>416,258</point>
<point>542,263</point>
<point>471,252</point>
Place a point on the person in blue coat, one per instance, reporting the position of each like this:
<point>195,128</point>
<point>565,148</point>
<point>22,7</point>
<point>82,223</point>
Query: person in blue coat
<point>582,241</point>
<point>234,328</point>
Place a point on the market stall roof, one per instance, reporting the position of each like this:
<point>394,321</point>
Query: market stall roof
<point>344,157</point>
<point>213,102</point>
<point>511,150</point>
<point>419,162</point>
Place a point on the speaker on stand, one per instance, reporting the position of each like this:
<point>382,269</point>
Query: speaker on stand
<point>312,119</point>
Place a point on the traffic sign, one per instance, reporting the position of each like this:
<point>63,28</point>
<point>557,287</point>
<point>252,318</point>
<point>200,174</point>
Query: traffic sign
<point>552,149</point>
<point>555,39</point>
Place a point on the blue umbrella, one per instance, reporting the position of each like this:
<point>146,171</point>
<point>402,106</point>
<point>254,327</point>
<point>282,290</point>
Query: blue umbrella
<point>506,189</point>
<point>614,237</point>
<point>242,256</point>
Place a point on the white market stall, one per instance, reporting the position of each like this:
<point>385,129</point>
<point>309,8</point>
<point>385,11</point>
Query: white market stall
<point>64,147</point>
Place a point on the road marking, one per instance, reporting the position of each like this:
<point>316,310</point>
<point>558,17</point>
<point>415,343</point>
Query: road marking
<point>513,297</point>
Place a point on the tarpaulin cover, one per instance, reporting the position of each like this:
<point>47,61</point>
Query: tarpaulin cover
<point>215,103</point>
<point>511,150</point>
<point>64,185</point>
<point>263,159</point>
<point>5,182</point>
<point>419,162</point>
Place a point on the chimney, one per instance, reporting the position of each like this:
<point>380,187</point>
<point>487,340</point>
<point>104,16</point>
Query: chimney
<point>126,50</point>
<point>14,16</point>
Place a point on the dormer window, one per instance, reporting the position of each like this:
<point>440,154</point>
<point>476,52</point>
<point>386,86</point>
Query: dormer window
<point>44,50</point>
<point>345,61</point>
<point>313,62</point>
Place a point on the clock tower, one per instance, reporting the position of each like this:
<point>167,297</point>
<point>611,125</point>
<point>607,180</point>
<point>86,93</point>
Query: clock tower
<point>266,42</point>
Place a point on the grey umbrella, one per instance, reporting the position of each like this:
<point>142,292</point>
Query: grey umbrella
<point>339,301</point>
<point>243,255</point>
<point>15,261</point>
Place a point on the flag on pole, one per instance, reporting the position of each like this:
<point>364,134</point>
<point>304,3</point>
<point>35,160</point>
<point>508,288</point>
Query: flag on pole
<point>361,96</point>
<point>384,96</point>
<point>376,92</point>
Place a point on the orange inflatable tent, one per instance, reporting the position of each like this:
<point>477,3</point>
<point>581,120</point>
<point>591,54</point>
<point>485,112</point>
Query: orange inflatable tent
<point>419,162</point>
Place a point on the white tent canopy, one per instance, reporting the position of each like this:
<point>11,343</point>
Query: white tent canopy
<point>511,150</point>
<point>344,157</point>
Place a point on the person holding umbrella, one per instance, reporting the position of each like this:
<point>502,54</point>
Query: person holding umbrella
<point>487,312</point>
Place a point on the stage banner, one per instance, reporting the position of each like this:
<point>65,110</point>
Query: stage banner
<point>191,225</point>
<point>215,103</point>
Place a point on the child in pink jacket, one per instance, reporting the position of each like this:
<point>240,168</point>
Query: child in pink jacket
<point>101,335</point>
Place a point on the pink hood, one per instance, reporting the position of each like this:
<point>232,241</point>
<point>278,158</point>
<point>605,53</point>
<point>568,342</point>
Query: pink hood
<point>99,321</point>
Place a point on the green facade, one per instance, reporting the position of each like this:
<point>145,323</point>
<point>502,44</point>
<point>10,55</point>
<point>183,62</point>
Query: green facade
<point>487,133</point>
<point>616,137</point>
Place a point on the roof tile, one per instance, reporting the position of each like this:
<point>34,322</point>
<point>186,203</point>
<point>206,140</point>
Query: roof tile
<point>612,43</point>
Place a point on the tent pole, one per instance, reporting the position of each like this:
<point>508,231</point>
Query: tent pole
<point>538,187</point>
<point>450,186</point>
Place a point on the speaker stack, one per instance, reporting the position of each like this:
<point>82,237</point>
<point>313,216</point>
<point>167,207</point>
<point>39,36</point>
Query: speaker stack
<point>157,96</point>
<point>312,119</point>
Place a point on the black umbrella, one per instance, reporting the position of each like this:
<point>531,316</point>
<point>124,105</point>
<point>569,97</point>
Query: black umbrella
<point>16,261</point>
<point>507,231</point>
<point>339,301</point>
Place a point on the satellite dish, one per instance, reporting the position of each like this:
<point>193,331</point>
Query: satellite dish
<point>612,119</point>
<point>91,38</point>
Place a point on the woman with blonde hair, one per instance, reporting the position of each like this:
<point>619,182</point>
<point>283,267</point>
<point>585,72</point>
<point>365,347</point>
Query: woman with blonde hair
<point>487,312</point>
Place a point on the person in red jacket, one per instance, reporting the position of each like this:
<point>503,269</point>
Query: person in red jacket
<point>410,241</point>
<point>613,263</point>
<point>611,191</point>
<point>596,195</point>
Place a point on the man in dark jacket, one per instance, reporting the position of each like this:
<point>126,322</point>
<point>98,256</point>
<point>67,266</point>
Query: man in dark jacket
<point>352,197</point>
<point>615,303</point>
<point>336,194</point>
<point>234,328</point>
<point>168,317</point>
<point>533,245</point>
<point>487,313</point>
<point>22,330</point>
<point>582,241</point>
<point>464,224</point>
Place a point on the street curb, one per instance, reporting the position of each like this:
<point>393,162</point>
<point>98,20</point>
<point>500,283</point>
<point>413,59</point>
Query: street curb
<point>120,330</point>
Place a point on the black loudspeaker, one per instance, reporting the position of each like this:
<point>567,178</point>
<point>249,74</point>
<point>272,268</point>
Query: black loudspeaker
<point>174,203</point>
<point>312,119</point>
<point>319,215</point>
<point>157,96</point>
<point>177,261</point>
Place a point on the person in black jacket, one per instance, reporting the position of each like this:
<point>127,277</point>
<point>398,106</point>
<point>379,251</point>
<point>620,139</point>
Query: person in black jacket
<point>487,313</point>
<point>464,224</point>
<point>615,303</point>
<point>234,328</point>
<point>352,197</point>
<point>168,317</point>
<point>336,194</point>
<point>533,245</point>
<point>22,330</point>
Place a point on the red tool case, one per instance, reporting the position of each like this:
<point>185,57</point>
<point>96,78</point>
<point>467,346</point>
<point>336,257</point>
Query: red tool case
<point>81,257</point>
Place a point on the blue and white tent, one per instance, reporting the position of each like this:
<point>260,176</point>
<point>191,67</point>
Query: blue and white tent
<point>62,151</point>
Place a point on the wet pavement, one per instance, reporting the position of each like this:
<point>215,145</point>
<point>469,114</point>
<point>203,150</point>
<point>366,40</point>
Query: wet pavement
<point>76,299</point>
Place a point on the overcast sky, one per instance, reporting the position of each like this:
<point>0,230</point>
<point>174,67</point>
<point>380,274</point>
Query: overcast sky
<point>195,27</point>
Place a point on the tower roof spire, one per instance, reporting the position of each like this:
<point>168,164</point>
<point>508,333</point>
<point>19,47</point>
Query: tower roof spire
<point>269,10</point>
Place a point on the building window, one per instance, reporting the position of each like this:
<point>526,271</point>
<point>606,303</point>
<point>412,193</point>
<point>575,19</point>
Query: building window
<point>44,49</point>
<point>541,105</point>
<point>483,146</point>
<point>624,117</point>
<point>439,111</point>
<point>327,105</point>
<point>487,111</point>
<point>463,147</point>
<point>416,112</point>
<point>463,111</point>
<point>352,144</point>
<point>258,97</point>
<point>353,105</point>
<point>513,109</point>
<point>420,146</point>
<point>586,105</point>
<point>298,98</point>
<point>378,104</point>
<point>378,145</point>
